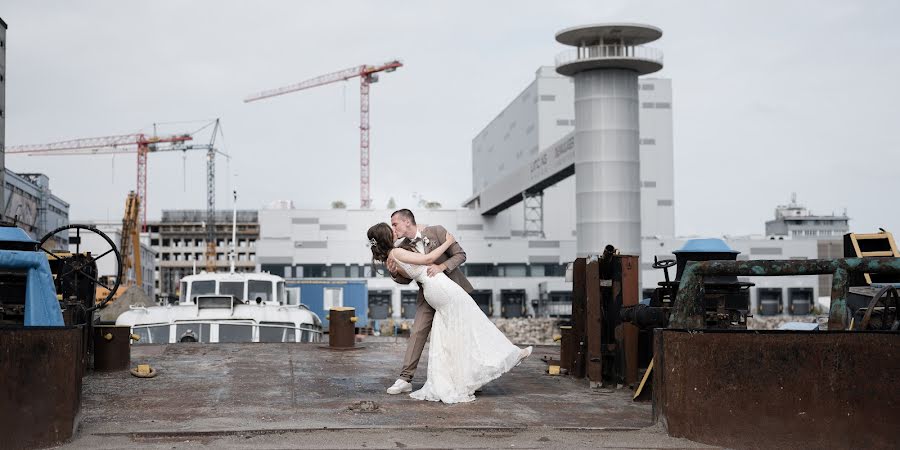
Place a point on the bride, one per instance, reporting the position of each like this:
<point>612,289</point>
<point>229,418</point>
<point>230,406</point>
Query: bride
<point>467,351</point>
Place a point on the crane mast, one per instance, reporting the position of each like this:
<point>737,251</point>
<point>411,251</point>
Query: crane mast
<point>367,75</point>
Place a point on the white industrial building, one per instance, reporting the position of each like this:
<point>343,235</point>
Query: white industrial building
<point>519,227</point>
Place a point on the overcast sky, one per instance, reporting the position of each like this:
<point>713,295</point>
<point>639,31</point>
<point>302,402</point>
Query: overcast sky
<point>770,97</point>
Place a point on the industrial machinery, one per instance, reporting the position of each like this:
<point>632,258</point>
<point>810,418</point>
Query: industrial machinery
<point>726,299</point>
<point>47,319</point>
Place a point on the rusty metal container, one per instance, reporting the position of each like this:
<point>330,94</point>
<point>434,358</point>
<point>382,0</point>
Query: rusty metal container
<point>112,348</point>
<point>566,348</point>
<point>40,391</point>
<point>341,327</point>
<point>778,389</point>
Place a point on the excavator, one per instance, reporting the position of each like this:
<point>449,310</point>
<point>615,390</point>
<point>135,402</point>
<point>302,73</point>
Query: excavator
<point>130,248</point>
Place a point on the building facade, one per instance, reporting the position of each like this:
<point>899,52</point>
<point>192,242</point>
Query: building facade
<point>32,206</point>
<point>539,119</point>
<point>796,221</point>
<point>179,243</point>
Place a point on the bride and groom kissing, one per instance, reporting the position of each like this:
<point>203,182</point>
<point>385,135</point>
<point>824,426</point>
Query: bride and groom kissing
<point>467,350</point>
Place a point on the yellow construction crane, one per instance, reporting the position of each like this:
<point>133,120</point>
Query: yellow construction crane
<point>129,248</point>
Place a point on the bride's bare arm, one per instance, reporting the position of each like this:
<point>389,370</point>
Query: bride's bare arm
<point>417,258</point>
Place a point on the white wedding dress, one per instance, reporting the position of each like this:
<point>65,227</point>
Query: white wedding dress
<point>467,350</point>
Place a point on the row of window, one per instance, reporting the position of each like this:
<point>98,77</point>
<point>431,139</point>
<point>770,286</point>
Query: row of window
<point>365,271</point>
<point>199,243</point>
<point>202,257</point>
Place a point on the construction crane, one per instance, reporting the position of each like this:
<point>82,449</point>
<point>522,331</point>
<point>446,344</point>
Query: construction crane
<point>367,75</point>
<point>143,145</point>
<point>130,243</point>
<point>126,143</point>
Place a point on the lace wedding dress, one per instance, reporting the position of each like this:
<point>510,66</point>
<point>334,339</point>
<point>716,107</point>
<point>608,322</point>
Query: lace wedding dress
<point>467,350</point>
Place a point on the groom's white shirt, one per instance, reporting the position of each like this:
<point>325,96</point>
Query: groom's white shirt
<point>420,244</point>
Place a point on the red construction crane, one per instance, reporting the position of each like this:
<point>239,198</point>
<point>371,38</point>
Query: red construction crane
<point>126,143</point>
<point>367,75</point>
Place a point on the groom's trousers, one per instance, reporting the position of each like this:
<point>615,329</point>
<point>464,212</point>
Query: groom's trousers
<point>417,337</point>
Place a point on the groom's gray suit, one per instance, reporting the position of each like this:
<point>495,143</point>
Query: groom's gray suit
<point>432,237</point>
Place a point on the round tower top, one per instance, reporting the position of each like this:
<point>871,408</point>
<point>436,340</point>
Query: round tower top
<point>609,33</point>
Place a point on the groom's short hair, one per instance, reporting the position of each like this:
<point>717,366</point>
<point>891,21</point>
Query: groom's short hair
<point>406,214</point>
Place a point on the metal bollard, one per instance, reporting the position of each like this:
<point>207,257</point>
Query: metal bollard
<point>112,348</point>
<point>342,327</point>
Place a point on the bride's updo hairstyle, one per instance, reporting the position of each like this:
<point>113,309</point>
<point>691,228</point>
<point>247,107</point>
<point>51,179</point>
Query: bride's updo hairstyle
<point>381,239</point>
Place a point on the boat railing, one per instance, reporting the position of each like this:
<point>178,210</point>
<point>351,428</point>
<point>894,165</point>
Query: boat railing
<point>302,333</point>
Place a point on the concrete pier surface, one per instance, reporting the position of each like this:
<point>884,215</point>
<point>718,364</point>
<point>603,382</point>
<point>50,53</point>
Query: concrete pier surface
<point>309,396</point>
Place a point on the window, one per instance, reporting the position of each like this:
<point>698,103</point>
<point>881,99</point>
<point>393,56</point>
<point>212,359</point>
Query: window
<point>333,298</point>
<point>259,291</point>
<point>232,288</point>
<point>562,121</point>
<point>202,288</point>
<point>650,184</point>
<point>664,202</point>
<point>648,141</point>
<point>478,270</point>
<point>548,98</point>
<point>647,105</point>
<point>663,105</point>
<point>314,271</point>
<point>279,289</point>
<point>183,292</point>
<point>236,332</point>
<point>192,332</point>
<point>647,87</point>
<point>512,270</point>
<point>277,332</point>
<point>339,271</point>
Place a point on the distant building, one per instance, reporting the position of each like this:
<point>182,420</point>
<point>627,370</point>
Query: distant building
<point>29,202</point>
<point>179,243</point>
<point>106,266</point>
<point>528,146</point>
<point>795,221</point>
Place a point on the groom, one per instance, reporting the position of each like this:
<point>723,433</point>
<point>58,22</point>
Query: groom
<point>426,239</point>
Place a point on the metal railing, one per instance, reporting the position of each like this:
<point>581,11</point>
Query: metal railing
<point>312,332</point>
<point>596,52</point>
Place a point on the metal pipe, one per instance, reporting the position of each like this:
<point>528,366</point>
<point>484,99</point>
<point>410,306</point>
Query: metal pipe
<point>688,311</point>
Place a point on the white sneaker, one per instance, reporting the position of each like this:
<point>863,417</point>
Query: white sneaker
<point>400,386</point>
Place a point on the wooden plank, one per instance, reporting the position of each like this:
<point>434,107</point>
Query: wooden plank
<point>578,318</point>
<point>593,324</point>
<point>630,270</point>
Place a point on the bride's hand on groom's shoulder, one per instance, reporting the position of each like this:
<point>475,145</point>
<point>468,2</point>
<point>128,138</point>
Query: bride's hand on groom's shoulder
<point>450,238</point>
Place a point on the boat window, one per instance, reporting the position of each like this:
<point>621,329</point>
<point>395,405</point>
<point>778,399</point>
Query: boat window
<point>202,288</point>
<point>277,332</point>
<point>156,334</point>
<point>232,288</point>
<point>281,295</point>
<point>235,332</point>
<point>182,296</point>
<point>192,332</point>
<point>259,290</point>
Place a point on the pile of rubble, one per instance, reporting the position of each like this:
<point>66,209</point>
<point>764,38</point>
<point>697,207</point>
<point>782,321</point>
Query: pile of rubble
<point>773,322</point>
<point>531,331</point>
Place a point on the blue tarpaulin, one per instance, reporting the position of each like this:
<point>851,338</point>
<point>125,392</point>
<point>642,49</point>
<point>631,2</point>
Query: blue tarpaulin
<point>41,306</point>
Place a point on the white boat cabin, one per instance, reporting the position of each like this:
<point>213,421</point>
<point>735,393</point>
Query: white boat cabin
<point>226,308</point>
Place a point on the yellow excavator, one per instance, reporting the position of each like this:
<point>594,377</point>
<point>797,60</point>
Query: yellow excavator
<point>130,248</point>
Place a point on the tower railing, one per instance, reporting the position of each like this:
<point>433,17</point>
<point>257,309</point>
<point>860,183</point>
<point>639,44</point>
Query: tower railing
<point>599,52</point>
